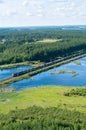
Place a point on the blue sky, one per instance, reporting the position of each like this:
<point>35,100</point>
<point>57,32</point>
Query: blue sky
<point>42,12</point>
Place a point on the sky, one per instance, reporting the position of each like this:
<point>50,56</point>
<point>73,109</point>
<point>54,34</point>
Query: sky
<point>42,12</point>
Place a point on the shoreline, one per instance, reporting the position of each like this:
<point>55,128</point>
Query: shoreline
<point>14,65</point>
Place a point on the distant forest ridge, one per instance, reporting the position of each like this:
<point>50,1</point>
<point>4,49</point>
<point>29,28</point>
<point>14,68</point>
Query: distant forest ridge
<point>69,27</point>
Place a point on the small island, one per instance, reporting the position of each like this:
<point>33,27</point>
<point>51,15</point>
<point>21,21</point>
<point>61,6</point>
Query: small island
<point>74,73</point>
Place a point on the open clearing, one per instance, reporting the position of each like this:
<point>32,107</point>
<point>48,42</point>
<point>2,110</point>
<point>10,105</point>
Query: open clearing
<point>48,96</point>
<point>49,40</point>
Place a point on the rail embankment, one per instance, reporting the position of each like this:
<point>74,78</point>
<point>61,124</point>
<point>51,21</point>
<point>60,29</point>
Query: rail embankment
<point>40,69</point>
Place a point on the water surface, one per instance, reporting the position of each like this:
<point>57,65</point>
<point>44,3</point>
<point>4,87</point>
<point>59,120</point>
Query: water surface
<point>5,73</point>
<point>45,78</point>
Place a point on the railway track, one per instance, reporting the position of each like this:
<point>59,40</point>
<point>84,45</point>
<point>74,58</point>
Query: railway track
<point>48,64</point>
<point>62,60</point>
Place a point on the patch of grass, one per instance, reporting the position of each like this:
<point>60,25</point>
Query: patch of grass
<point>49,40</point>
<point>32,63</point>
<point>48,96</point>
<point>76,92</point>
<point>7,66</point>
<point>77,62</point>
<point>31,78</point>
<point>36,63</point>
<point>3,89</point>
<point>74,73</point>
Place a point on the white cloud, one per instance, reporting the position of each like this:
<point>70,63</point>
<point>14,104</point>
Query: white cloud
<point>39,15</point>
<point>24,3</point>
<point>61,0</point>
<point>43,11</point>
<point>8,14</point>
<point>29,14</point>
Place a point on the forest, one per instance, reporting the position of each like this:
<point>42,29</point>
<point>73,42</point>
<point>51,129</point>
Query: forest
<point>24,44</point>
<point>37,118</point>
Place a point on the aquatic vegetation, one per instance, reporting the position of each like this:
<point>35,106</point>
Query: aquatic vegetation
<point>74,73</point>
<point>77,62</point>
<point>31,78</point>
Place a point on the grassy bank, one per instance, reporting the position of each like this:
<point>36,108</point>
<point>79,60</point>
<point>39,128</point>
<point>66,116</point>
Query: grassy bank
<point>48,96</point>
<point>32,63</point>
<point>8,66</point>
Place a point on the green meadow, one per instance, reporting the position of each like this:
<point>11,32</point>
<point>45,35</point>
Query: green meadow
<point>47,96</point>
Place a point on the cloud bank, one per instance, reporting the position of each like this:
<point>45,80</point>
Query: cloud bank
<point>42,12</point>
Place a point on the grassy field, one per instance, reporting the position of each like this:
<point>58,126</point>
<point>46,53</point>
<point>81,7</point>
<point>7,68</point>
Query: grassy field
<point>49,40</point>
<point>48,96</point>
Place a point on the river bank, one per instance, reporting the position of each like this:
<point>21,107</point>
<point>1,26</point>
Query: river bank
<point>31,63</point>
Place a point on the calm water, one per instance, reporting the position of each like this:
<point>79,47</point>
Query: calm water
<point>5,73</point>
<point>66,79</point>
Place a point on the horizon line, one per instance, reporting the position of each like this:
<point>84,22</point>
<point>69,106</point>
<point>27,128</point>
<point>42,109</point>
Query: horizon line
<point>24,26</point>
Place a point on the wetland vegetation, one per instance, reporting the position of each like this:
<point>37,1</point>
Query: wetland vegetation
<point>77,62</point>
<point>65,71</point>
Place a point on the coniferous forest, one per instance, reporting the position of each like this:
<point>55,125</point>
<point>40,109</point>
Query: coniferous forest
<point>24,44</point>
